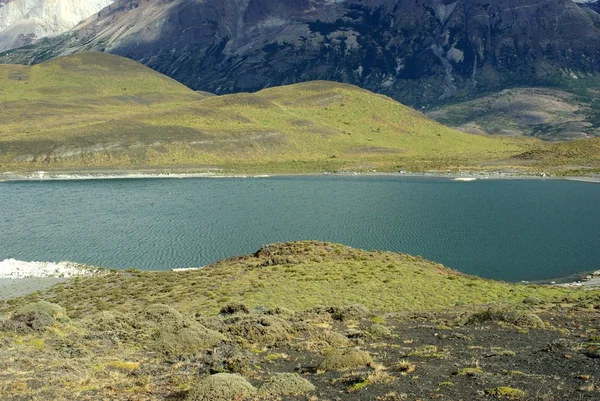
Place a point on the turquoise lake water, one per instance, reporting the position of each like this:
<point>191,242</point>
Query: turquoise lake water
<point>502,229</point>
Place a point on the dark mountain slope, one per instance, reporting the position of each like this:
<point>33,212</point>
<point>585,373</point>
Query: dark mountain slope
<point>419,52</point>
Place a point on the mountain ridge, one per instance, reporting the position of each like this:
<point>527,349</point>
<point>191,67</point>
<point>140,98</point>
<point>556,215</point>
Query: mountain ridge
<point>421,53</point>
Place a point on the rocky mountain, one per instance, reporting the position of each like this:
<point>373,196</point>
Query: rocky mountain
<point>421,52</point>
<point>24,21</point>
<point>590,4</point>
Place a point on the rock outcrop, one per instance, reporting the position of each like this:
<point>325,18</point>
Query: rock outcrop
<point>24,21</point>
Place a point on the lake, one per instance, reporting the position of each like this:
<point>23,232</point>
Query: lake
<point>510,229</point>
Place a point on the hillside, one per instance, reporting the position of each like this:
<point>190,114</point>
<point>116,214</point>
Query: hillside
<point>546,113</point>
<point>99,110</point>
<point>300,321</point>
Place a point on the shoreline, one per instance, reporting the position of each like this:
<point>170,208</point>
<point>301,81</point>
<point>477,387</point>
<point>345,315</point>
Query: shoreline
<point>164,174</point>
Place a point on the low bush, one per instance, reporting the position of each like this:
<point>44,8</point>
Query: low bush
<point>28,322</point>
<point>264,330</point>
<point>349,312</point>
<point>222,387</point>
<point>286,384</point>
<point>345,359</point>
<point>508,315</point>
<point>57,312</point>
<point>379,330</point>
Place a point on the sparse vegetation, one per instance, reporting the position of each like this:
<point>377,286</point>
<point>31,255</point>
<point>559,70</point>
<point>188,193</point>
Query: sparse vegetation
<point>155,336</point>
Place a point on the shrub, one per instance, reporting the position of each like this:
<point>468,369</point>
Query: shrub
<point>234,308</point>
<point>28,322</point>
<point>533,301</point>
<point>333,338</point>
<point>159,314</point>
<point>221,387</point>
<point>508,315</point>
<point>345,359</point>
<point>186,340</point>
<point>264,330</point>
<point>286,384</point>
<point>113,323</point>
<point>379,330</point>
<point>57,312</point>
<point>349,312</point>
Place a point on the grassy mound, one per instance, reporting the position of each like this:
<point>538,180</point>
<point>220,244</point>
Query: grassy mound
<point>57,312</point>
<point>379,330</point>
<point>34,317</point>
<point>222,387</point>
<point>508,314</point>
<point>279,384</point>
<point>160,315</point>
<point>170,333</point>
<point>28,322</point>
<point>186,340</point>
<point>345,359</point>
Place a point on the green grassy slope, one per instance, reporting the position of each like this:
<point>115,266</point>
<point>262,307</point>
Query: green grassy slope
<point>99,110</point>
<point>299,276</point>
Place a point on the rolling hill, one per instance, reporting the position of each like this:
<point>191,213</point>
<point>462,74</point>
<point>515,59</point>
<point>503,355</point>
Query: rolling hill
<point>100,110</point>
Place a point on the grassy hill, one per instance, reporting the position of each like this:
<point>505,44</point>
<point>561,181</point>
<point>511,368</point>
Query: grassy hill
<point>354,324</point>
<point>99,110</point>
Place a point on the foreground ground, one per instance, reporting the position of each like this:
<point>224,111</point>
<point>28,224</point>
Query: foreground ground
<point>341,323</point>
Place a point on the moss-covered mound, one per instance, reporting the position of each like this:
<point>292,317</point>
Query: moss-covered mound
<point>508,314</point>
<point>222,387</point>
<point>186,340</point>
<point>279,384</point>
<point>56,311</point>
<point>264,330</point>
<point>345,359</point>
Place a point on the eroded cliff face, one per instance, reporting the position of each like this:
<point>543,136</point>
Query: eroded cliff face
<point>24,21</point>
<point>420,52</point>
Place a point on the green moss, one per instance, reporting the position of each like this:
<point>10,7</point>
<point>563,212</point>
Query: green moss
<point>281,384</point>
<point>358,386</point>
<point>507,392</point>
<point>222,387</point>
<point>469,371</point>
